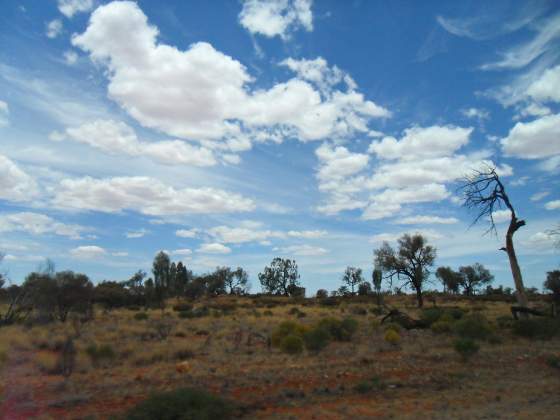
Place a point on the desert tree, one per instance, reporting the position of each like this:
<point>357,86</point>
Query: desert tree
<point>449,278</point>
<point>474,277</point>
<point>182,278</point>
<point>279,276</point>
<point>364,288</point>
<point>236,281</point>
<point>377,280</point>
<point>552,283</point>
<point>409,264</point>
<point>484,193</point>
<point>352,277</point>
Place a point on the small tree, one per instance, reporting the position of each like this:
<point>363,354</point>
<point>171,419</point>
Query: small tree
<point>409,264</point>
<point>237,281</point>
<point>552,283</point>
<point>352,277</point>
<point>376,280</point>
<point>74,294</point>
<point>484,192</point>
<point>182,278</point>
<point>364,288</point>
<point>473,277</point>
<point>281,274</point>
<point>160,270</point>
<point>449,278</point>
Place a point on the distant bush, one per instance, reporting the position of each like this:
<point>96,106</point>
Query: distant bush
<point>475,327</point>
<point>505,322</point>
<point>431,315</point>
<point>466,347</point>
<point>182,404</point>
<point>330,301</point>
<point>100,353</point>
<point>358,310</point>
<point>541,328</point>
<point>441,327</point>
<point>553,361</point>
<point>322,294</point>
<point>455,313</point>
<point>292,344</point>
<point>316,339</point>
<point>141,316</point>
<point>48,363</point>
<point>374,383</point>
<point>182,307</point>
<point>293,311</point>
<point>340,330</point>
<point>392,337</point>
<point>268,312</point>
<point>184,354</point>
<point>285,329</point>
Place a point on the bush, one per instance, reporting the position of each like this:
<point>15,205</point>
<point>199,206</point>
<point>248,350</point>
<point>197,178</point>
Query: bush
<point>455,313</point>
<point>393,326</point>
<point>392,337</point>
<point>101,353</point>
<point>340,330</point>
<point>322,294</point>
<point>541,328</point>
<point>141,316</point>
<point>553,361</point>
<point>441,327</point>
<point>358,310</point>
<point>181,404</point>
<point>431,315</point>
<point>285,329</point>
<point>505,322</point>
<point>367,386</point>
<point>466,347</point>
<point>268,312</point>
<point>330,301</point>
<point>475,327</point>
<point>182,307</point>
<point>292,344</point>
<point>316,339</point>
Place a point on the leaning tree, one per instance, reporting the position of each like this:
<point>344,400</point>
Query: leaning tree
<point>484,192</point>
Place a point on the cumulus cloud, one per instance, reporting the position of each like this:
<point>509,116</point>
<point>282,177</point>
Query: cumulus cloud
<point>539,196</point>
<point>535,139</point>
<point>134,234</point>
<point>205,95</point>
<point>501,216</point>
<point>145,195</point>
<point>272,18</point>
<point>476,113</point>
<point>304,250</point>
<point>427,220</point>
<point>71,7</point>
<point>552,205</point>
<point>251,232</point>
<point>430,235</point>
<point>214,248</point>
<point>15,184</point>
<point>184,252</point>
<point>38,224</point>
<point>186,233</point>
<point>70,57</point>
<point>115,137</point>
<point>54,28</point>
<point>547,87</point>
<point>88,252</point>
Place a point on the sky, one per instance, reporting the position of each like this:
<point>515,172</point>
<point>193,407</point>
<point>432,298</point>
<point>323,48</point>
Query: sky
<point>232,132</point>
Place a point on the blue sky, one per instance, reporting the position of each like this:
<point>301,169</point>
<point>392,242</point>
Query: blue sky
<point>228,133</point>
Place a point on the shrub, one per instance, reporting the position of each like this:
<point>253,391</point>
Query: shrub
<point>285,329</point>
<point>441,327</point>
<point>369,385</point>
<point>431,315</point>
<point>301,314</point>
<point>330,301</point>
<point>340,330</point>
<point>182,307</point>
<point>293,311</point>
<point>541,328</point>
<point>392,337</point>
<point>358,310</point>
<point>141,316</point>
<point>473,326</point>
<point>181,404</point>
<point>553,361</point>
<point>292,344</point>
<point>322,294</point>
<point>455,313</point>
<point>48,363</point>
<point>392,326</point>
<point>183,354</point>
<point>101,353</point>
<point>268,312</point>
<point>316,339</point>
<point>466,347</point>
<point>505,321</point>
<point>186,314</point>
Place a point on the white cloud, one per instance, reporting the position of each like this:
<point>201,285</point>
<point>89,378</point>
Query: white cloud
<point>430,235</point>
<point>534,110</point>
<point>422,142</point>
<point>307,234</point>
<point>134,234</point>
<point>338,162</point>
<point>552,205</point>
<point>70,7</point>
<point>38,224</point>
<point>547,87</point>
<point>214,248</point>
<point>304,250</point>
<point>70,57</point>
<point>536,139</point>
<point>427,220</point>
<point>501,216</point>
<point>476,113</point>
<point>250,232</point>
<point>276,17</point>
<point>119,254</point>
<point>115,137</point>
<point>15,184</point>
<point>145,195</point>
<point>204,95</point>
<point>186,233</point>
<point>88,252</point>
<point>54,28</point>
<point>182,252</point>
<point>539,196</point>
<point>4,112</point>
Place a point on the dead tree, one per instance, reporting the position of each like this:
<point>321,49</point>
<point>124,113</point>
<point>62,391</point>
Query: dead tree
<point>484,192</point>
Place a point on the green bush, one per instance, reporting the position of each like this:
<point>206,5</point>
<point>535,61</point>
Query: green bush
<point>292,344</point>
<point>374,383</point>
<point>181,404</point>
<point>100,353</point>
<point>316,339</point>
<point>474,326</point>
<point>141,316</point>
<point>358,310</point>
<point>553,361</point>
<point>392,337</point>
<point>541,328</point>
<point>268,312</point>
<point>182,307</point>
<point>466,347</point>
<point>505,322</point>
<point>455,313</point>
<point>340,330</point>
<point>441,327</point>
<point>285,329</point>
<point>431,315</point>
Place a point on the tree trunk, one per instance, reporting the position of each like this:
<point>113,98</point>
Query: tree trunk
<point>515,270</point>
<point>419,298</point>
